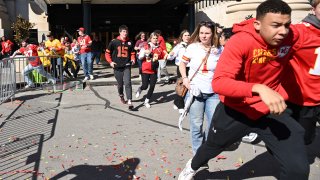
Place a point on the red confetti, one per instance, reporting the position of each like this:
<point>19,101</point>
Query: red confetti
<point>221,157</point>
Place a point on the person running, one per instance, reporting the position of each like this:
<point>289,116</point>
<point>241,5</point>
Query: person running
<point>176,54</point>
<point>303,90</point>
<point>149,55</point>
<point>7,46</point>
<point>31,51</point>
<point>85,42</point>
<point>120,54</point>
<point>248,80</point>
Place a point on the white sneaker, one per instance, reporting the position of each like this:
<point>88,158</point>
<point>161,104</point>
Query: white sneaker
<point>52,80</point>
<point>187,173</point>
<point>86,79</point>
<point>138,93</point>
<point>147,105</point>
<point>250,137</point>
<point>130,104</point>
<point>29,86</point>
<point>175,107</point>
<point>91,77</point>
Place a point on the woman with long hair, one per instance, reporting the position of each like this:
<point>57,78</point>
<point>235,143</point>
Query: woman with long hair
<point>176,54</point>
<point>141,40</point>
<point>202,55</point>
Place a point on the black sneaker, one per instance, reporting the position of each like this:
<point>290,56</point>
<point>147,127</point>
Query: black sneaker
<point>130,105</point>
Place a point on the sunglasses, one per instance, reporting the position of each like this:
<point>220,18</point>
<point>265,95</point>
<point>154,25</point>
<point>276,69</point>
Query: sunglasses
<point>207,23</point>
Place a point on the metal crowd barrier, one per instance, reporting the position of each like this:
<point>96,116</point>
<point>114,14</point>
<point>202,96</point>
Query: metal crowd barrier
<point>12,77</point>
<point>7,80</point>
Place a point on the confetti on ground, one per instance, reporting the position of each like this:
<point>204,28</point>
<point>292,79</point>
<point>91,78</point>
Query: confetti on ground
<point>237,164</point>
<point>221,157</point>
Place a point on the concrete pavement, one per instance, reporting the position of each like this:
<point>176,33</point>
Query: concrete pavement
<point>89,134</point>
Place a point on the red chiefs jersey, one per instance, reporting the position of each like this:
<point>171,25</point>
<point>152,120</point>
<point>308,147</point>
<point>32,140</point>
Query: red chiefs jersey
<point>84,41</point>
<point>6,46</point>
<point>31,50</point>
<point>156,53</point>
<point>302,79</point>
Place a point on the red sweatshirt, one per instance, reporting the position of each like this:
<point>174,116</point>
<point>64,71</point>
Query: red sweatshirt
<point>304,85</point>
<point>247,60</point>
<point>7,46</point>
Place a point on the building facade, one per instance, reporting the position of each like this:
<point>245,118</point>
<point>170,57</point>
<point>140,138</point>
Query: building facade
<point>103,19</point>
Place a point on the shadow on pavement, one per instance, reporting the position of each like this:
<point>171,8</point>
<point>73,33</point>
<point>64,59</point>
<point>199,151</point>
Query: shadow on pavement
<point>107,105</point>
<point>124,170</point>
<point>261,166</point>
<point>23,133</point>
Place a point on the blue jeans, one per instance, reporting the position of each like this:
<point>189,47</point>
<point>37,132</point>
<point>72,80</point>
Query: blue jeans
<point>86,61</point>
<point>28,69</point>
<point>203,105</point>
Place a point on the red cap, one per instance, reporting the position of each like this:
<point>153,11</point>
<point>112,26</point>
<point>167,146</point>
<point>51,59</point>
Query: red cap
<point>81,29</point>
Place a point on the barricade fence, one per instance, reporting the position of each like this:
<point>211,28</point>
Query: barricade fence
<point>7,80</point>
<point>21,73</point>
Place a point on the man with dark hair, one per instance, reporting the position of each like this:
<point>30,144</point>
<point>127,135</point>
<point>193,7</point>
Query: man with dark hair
<point>55,48</point>
<point>31,52</point>
<point>121,55</point>
<point>247,78</point>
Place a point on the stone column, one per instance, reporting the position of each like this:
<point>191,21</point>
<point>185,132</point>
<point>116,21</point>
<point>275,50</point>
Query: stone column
<point>237,11</point>
<point>5,22</point>
<point>86,5</point>
<point>191,16</point>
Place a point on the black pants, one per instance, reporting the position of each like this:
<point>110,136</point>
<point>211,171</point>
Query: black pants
<point>74,70</point>
<point>178,100</point>
<point>148,79</point>
<point>54,70</point>
<point>281,133</point>
<point>307,116</point>
<point>123,77</point>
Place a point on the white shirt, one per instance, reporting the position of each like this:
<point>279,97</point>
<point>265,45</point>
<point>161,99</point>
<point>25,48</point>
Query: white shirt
<point>194,55</point>
<point>178,51</point>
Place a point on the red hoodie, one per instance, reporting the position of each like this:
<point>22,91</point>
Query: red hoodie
<point>247,60</point>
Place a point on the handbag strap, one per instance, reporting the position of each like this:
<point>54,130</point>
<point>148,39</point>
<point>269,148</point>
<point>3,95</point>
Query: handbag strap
<point>203,60</point>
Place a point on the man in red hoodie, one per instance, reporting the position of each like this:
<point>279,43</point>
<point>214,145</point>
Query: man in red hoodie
<point>121,55</point>
<point>248,80</point>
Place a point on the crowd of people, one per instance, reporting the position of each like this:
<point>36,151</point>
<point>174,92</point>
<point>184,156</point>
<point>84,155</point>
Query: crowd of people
<point>260,77</point>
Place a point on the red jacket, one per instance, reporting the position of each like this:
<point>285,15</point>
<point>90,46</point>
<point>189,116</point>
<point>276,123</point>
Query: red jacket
<point>6,46</point>
<point>162,43</point>
<point>157,53</point>
<point>243,65</point>
<point>84,42</point>
<point>302,80</point>
<point>31,50</point>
